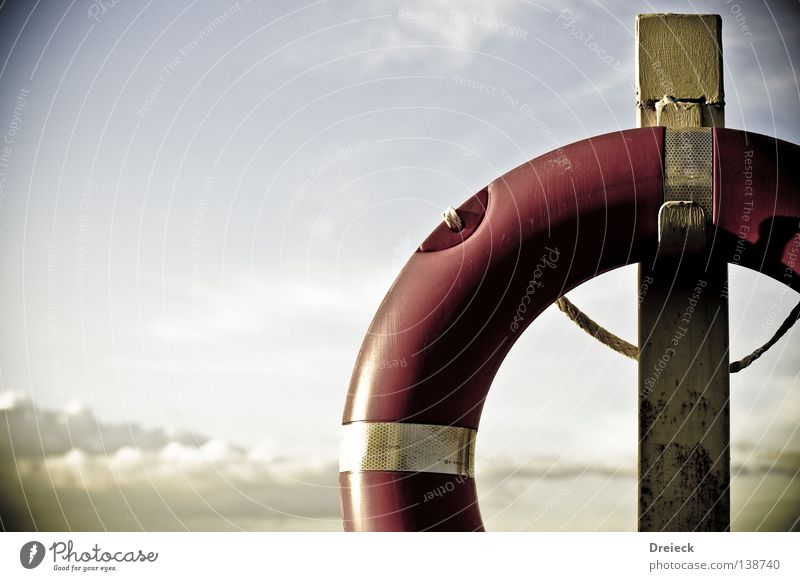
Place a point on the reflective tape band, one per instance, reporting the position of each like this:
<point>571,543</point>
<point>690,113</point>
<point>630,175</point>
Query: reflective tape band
<point>689,167</point>
<point>400,447</point>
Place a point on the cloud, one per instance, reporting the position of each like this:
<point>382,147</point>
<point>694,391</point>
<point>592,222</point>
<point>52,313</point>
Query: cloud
<point>465,27</point>
<point>65,470</point>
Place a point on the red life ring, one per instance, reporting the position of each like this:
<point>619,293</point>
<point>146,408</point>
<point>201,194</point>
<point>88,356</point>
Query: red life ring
<point>457,307</point>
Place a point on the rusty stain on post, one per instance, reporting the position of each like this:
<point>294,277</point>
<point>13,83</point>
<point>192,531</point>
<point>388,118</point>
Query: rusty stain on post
<point>684,422</point>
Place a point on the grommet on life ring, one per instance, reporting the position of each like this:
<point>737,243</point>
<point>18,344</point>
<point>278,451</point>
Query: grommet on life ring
<point>408,442</point>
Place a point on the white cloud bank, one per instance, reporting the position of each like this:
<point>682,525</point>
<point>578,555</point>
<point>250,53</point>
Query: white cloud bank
<point>68,471</point>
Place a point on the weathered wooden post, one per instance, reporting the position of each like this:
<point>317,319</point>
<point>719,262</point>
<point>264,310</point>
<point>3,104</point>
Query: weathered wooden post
<point>684,422</point>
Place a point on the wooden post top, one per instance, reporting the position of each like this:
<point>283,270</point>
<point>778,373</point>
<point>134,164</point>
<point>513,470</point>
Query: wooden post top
<point>679,70</point>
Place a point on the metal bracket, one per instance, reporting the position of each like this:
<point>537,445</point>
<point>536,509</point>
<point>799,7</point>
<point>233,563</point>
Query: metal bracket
<point>681,228</point>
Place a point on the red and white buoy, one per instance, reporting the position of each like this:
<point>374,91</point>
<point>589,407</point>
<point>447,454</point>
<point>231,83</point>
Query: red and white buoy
<point>476,283</point>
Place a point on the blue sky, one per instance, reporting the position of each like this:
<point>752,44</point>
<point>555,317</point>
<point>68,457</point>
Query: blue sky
<point>206,201</point>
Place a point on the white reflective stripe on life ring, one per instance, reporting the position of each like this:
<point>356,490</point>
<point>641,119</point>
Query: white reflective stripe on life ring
<point>402,447</point>
<point>689,167</point>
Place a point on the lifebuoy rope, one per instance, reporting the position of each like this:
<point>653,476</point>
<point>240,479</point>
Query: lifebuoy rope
<point>785,326</point>
<point>600,333</point>
<point>452,219</point>
<point>619,345</point>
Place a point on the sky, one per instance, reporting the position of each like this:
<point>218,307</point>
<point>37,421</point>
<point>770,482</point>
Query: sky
<point>203,204</point>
